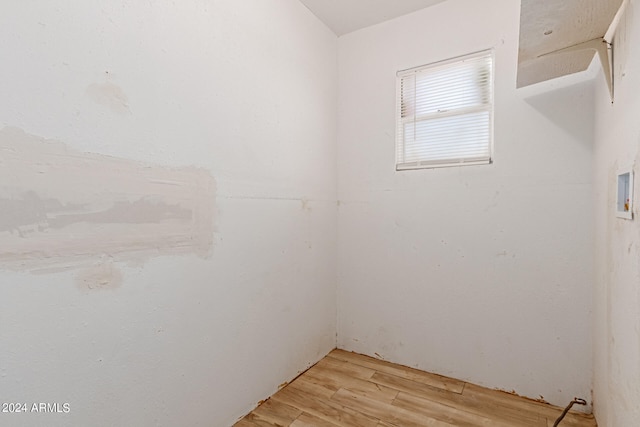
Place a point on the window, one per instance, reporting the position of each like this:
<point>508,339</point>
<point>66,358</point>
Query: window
<point>445,113</point>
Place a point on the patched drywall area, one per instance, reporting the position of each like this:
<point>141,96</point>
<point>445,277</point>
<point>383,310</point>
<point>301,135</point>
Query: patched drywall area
<point>110,95</point>
<point>617,288</point>
<point>167,207</point>
<point>62,209</point>
<point>479,272</point>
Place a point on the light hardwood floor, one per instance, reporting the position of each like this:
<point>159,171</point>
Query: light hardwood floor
<point>349,389</point>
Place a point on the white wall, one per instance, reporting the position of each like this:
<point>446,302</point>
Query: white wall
<point>482,272</point>
<point>246,91</point>
<point>617,288</point>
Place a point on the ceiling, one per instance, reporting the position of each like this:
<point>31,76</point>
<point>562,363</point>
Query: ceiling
<point>345,16</point>
<point>546,27</point>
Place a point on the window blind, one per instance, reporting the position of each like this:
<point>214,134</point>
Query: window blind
<point>445,113</point>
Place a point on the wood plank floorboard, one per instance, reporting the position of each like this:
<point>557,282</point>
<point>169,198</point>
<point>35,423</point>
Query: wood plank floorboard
<point>351,390</point>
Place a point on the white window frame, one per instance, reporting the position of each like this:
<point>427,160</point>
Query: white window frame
<point>401,164</point>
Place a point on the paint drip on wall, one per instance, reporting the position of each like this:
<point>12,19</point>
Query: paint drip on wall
<point>63,209</point>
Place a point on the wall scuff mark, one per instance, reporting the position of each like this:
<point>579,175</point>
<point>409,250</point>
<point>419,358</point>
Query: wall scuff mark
<point>110,95</point>
<point>61,209</point>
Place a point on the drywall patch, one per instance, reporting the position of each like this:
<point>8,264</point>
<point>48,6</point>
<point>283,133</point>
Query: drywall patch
<point>305,205</point>
<point>100,276</point>
<point>61,209</point>
<point>110,95</point>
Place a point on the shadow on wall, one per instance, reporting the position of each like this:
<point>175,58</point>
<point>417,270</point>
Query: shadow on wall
<point>564,107</point>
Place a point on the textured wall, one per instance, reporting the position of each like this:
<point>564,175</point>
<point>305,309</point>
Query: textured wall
<point>481,272</point>
<point>617,292</point>
<point>167,196</point>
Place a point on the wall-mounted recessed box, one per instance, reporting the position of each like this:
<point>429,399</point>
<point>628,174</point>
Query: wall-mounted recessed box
<point>624,199</point>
